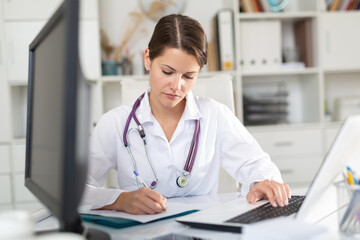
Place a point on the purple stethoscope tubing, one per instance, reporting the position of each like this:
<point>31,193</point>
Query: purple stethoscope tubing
<point>189,160</point>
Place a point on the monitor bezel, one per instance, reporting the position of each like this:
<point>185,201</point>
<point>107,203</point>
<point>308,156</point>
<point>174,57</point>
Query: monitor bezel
<point>65,209</point>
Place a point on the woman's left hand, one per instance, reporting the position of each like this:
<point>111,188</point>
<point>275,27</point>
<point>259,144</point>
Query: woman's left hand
<point>278,194</point>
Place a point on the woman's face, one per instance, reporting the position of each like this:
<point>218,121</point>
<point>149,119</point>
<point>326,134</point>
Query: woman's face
<point>172,75</point>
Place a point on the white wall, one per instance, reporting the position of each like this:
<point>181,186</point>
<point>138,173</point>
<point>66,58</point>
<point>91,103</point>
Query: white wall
<point>114,20</point>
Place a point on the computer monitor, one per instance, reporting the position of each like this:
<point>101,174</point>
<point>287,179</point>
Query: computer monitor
<point>58,120</point>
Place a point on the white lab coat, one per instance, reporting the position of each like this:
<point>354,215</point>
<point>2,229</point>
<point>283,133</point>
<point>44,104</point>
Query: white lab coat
<point>224,141</point>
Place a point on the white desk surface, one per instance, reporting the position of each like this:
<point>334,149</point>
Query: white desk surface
<point>159,228</point>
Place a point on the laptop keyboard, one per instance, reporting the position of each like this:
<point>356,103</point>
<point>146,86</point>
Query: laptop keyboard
<point>267,211</point>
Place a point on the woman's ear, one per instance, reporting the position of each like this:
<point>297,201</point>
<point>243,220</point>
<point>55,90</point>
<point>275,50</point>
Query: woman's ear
<point>147,61</point>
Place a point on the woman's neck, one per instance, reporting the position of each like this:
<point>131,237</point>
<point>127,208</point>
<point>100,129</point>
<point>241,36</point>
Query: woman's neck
<point>161,112</point>
<point>168,118</point>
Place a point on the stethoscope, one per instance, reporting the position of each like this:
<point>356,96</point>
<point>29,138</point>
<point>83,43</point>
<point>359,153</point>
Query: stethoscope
<point>181,181</point>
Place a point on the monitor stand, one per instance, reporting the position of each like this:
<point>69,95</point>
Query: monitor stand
<point>77,227</point>
<point>96,234</point>
<point>88,233</point>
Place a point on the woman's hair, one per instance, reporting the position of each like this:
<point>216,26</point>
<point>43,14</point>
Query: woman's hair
<point>181,32</point>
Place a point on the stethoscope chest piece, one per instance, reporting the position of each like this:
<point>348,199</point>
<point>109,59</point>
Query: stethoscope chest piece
<point>182,181</point>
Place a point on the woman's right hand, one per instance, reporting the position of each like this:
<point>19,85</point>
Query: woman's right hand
<point>141,201</point>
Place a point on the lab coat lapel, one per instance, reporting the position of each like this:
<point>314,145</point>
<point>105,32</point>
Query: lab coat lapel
<point>191,112</point>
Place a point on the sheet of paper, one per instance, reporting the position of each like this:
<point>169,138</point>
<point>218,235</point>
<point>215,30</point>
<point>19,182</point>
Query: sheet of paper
<point>173,206</point>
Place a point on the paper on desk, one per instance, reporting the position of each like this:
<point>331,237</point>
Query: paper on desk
<point>283,228</point>
<point>173,206</point>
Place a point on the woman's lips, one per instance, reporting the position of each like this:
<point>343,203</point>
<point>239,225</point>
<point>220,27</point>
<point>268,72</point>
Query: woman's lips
<point>173,96</point>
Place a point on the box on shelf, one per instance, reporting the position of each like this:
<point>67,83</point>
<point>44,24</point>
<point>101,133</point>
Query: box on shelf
<point>346,106</point>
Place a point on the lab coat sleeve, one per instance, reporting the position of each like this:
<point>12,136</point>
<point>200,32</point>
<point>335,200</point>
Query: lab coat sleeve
<point>241,155</point>
<point>102,157</point>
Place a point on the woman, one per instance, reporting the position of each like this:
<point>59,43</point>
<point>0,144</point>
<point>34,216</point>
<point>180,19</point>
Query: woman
<point>188,138</point>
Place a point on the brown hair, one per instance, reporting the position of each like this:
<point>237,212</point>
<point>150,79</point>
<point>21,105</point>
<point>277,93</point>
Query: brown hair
<point>181,32</point>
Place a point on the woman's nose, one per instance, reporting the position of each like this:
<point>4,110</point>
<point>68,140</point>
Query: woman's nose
<point>175,83</point>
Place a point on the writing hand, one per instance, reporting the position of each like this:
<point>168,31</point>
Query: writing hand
<point>141,201</point>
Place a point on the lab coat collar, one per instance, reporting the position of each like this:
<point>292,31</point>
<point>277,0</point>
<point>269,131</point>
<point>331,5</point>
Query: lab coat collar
<point>191,111</point>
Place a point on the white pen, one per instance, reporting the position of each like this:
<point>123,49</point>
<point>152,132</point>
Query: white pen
<point>140,178</point>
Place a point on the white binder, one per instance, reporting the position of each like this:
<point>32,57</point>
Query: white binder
<point>225,36</point>
<point>261,45</point>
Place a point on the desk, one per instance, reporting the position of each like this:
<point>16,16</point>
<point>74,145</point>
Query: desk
<point>150,230</point>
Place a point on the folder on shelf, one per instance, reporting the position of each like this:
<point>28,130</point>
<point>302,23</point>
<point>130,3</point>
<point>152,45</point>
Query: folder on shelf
<point>303,40</point>
<point>260,47</point>
<point>225,39</point>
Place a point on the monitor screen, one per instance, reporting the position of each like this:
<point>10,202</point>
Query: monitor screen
<point>58,119</point>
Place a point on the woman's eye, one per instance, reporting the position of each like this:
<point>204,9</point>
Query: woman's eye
<point>165,72</point>
<point>188,77</point>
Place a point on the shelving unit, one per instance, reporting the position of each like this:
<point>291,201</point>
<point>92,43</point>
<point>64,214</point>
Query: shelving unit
<point>335,73</point>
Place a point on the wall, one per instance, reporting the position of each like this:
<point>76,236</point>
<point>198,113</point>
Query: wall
<point>114,20</point>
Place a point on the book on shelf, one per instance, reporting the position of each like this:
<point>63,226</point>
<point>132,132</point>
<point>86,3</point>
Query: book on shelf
<point>334,5</point>
<point>303,41</point>
<point>342,5</point>
<point>256,6</point>
<point>265,5</point>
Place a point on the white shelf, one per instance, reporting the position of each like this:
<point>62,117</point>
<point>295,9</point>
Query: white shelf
<point>19,83</point>
<point>282,127</point>
<point>281,15</point>
<point>117,78</point>
<point>341,70</point>
<point>303,71</point>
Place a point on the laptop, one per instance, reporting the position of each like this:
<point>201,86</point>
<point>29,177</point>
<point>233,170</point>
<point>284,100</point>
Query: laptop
<point>320,200</point>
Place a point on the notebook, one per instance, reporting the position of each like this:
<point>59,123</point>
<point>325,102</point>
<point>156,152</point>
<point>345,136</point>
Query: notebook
<point>320,200</point>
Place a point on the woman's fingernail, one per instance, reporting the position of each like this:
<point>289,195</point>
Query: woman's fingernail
<point>274,204</point>
<point>252,199</point>
<point>281,204</point>
<point>286,202</point>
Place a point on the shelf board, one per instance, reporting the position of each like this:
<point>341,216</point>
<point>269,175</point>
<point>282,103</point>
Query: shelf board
<point>117,78</point>
<point>19,140</point>
<point>18,83</point>
<point>281,15</point>
<point>302,71</point>
<point>285,126</point>
<point>341,70</point>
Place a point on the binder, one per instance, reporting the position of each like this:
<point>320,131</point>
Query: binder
<point>303,40</point>
<point>260,48</point>
<point>225,39</point>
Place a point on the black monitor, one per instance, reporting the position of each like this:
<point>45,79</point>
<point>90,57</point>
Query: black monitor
<point>58,120</point>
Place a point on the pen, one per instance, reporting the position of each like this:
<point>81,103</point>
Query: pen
<point>350,177</point>
<point>140,178</point>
